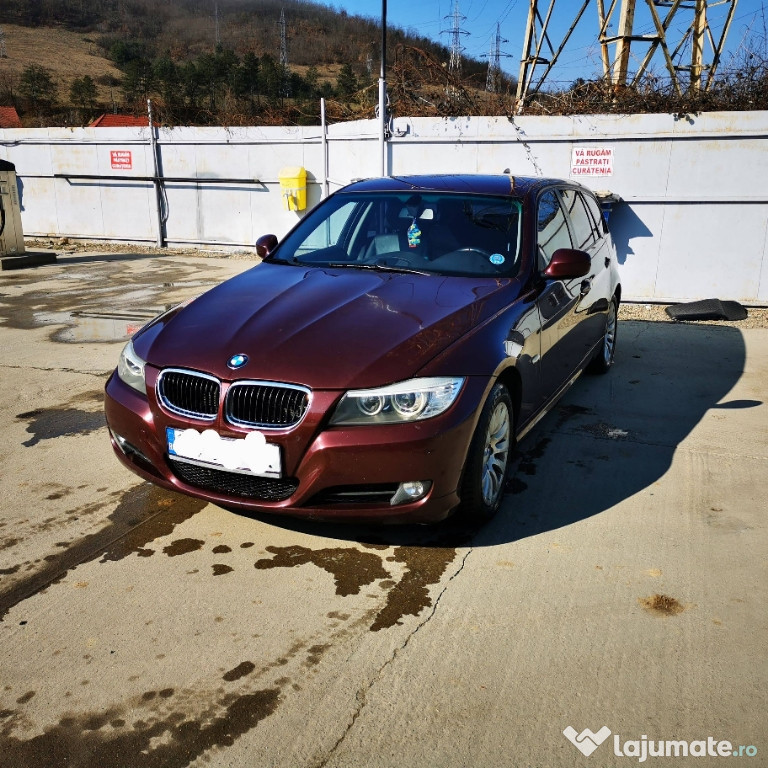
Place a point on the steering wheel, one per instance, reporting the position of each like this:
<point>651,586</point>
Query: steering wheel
<point>394,261</point>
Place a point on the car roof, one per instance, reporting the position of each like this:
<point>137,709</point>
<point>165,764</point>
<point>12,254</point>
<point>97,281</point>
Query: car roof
<point>482,184</point>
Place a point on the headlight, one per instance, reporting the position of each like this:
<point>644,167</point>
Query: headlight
<point>412,400</point>
<point>130,368</point>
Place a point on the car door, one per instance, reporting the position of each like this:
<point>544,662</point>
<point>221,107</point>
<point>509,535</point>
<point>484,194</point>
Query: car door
<point>603,253</point>
<point>561,302</point>
<point>594,287</point>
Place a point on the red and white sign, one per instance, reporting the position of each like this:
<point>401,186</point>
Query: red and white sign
<point>592,161</point>
<point>121,159</point>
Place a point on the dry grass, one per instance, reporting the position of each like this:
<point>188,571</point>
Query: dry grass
<point>68,55</point>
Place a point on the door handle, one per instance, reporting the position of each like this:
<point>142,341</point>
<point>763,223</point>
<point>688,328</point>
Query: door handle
<point>586,286</point>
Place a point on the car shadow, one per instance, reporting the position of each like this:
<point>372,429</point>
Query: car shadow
<point>626,225</point>
<point>609,438</point>
<point>614,436</point>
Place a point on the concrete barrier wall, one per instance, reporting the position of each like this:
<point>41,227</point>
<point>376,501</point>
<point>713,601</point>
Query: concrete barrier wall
<point>693,222</point>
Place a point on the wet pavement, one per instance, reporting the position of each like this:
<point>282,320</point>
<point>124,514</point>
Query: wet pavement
<point>624,582</point>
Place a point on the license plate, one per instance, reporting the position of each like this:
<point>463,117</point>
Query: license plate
<point>251,455</point>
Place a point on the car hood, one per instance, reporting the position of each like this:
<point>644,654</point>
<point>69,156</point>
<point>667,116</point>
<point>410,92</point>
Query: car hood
<point>322,327</point>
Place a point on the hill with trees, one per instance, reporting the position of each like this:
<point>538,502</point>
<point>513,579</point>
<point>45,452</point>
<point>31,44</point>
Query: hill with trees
<point>218,62</point>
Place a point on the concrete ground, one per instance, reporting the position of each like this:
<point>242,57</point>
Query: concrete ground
<point>621,589</point>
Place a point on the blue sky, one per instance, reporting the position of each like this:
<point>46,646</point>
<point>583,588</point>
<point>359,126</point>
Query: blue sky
<point>581,57</point>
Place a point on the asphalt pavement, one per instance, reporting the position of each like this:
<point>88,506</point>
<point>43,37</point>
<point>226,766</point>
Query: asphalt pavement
<point>620,595</point>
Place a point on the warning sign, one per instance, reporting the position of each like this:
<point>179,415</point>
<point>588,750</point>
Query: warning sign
<point>592,161</point>
<point>121,159</point>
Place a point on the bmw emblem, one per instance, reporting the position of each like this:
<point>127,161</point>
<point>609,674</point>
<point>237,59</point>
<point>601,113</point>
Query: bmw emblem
<point>237,361</point>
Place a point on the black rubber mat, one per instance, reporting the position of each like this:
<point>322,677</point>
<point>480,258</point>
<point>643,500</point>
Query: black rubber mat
<point>708,309</point>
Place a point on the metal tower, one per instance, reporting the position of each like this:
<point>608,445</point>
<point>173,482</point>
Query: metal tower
<point>285,88</point>
<point>493,80</point>
<point>454,65</point>
<point>536,37</point>
<point>699,35</point>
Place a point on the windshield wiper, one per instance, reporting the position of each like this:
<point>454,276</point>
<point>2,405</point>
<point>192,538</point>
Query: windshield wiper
<point>378,267</point>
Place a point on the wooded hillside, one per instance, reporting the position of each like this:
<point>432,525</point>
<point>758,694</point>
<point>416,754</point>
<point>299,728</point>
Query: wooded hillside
<point>208,62</point>
<point>218,62</point>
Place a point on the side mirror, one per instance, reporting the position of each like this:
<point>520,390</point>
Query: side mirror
<point>568,264</point>
<point>265,245</point>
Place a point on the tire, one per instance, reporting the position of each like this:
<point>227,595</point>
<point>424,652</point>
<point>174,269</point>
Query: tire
<point>602,362</point>
<point>489,458</point>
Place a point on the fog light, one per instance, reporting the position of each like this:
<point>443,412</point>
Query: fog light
<point>411,491</point>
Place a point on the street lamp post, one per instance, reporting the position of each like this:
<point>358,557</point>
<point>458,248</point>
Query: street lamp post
<point>383,91</point>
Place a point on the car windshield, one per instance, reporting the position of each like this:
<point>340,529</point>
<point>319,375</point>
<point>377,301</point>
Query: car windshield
<point>432,233</point>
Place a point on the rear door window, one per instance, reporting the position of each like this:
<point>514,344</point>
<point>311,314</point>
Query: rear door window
<point>584,235</point>
<point>552,227</point>
<point>597,215</point>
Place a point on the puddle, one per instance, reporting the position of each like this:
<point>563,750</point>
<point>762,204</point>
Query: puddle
<point>107,303</point>
<point>424,567</point>
<point>143,514</point>
<point>90,327</point>
<point>183,547</point>
<point>160,740</point>
<point>527,459</point>
<point>241,670</point>
<point>350,568</point>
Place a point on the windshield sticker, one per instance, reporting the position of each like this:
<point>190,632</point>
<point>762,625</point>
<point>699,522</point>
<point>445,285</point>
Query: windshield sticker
<point>414,235</point>
<point>497,259</point>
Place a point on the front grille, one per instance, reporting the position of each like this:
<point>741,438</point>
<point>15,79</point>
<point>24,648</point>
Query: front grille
<point>190,394</point>
<point>234,483</point>
<point>263,404</point>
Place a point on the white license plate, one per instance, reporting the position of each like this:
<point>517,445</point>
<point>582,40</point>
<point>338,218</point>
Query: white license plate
<point>252,455</point>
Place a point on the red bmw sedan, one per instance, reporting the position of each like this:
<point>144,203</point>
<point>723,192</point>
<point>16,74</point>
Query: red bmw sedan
<point>382,360</point>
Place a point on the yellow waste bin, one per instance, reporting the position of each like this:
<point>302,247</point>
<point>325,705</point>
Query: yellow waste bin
<point>293,187</point>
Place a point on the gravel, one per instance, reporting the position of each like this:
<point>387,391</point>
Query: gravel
<point>757,317</point>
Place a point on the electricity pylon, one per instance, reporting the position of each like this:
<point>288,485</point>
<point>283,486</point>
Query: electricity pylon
<point>454,64</point>
<point>699,35</point>
<point>285,87</point>
<point>493,80</point>
<point>536,38</point>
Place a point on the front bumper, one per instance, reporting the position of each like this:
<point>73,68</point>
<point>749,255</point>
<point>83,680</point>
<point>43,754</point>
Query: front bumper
<point>330,473</point>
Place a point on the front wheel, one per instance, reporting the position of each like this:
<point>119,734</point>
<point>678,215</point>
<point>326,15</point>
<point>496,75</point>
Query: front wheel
<point>485,473</point>
<point>603,359</point>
